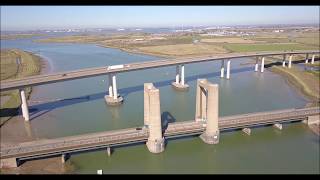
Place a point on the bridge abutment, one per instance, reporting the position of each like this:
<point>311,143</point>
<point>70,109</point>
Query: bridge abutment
<point>9,163</point>
<point>179,83</point>
<point>155,141</point>
<point>113,98</point>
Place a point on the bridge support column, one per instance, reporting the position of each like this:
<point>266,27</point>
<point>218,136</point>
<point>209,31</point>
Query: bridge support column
<point>284,61</point>
<point>65,157</point>
<point>109,151</point>
<point>262,64</point>
<point>207,106</point>
<point>24,105</point>
<point>113,98</point>
<point>278,126</point>
<point>290,60</point>
<point>312,60</point>
<point>9,163</point>
<point>307,58</point>
<point>247,131</point>
<point>177,74</point>
<point>256,66</point>
<point>110,86</point>
<point>179,84</point>
<point>222,69</point>
<point>228,69</point>
<point>155,141</point>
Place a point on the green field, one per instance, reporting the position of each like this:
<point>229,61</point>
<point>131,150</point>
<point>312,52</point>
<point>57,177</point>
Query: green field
<point>267,47</point>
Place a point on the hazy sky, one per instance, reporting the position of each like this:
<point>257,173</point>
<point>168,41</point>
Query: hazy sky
<point>41,17</point>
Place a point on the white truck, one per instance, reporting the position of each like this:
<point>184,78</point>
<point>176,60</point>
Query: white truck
<point>115,67</point>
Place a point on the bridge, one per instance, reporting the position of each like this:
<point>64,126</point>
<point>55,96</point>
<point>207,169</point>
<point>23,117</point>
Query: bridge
<point>113,98</point>
<point>154,132</point>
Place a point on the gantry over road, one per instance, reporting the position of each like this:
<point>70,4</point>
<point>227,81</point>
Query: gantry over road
<point>90,72</point>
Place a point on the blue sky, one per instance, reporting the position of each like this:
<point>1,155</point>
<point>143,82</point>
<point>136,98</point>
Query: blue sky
<point>42,17</point>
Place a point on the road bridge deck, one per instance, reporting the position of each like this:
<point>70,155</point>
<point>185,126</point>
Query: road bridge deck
<point>90,72</point>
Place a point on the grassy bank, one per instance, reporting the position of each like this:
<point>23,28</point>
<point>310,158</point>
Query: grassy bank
<point>268,47</point>
<point>18,36</point>
<point>305,81</point>
<point>16,64</point>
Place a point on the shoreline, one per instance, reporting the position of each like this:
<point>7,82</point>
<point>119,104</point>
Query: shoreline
<point>16,130</point>
<point>298,85</point>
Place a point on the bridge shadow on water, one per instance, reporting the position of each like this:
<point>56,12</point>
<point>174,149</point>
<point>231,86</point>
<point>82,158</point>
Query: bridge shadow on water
<point>166,118</point>
<point>38,110</point>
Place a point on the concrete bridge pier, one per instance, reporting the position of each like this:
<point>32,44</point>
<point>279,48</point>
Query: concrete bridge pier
<point>247,131</point>
<point>307,59</point>
<point>228,69</point>
<point>256,66</point>
<point>109,151</point>
<point>262,64</point>
<point>180,84</point>
<point>113,98</point>
<point>278,126</point>
<point>222,69</point>
<point>152,112</point>
<point>24,105</point>
<point>312,60</point>
<point>284,61</point>
<point>290,60</point>
<point>207,109</point>
<point>64,158</point>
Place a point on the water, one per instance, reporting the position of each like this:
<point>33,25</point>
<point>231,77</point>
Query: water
<point>83,110</point>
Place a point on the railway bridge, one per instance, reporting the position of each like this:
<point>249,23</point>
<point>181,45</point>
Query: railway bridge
<point>154,133</point>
